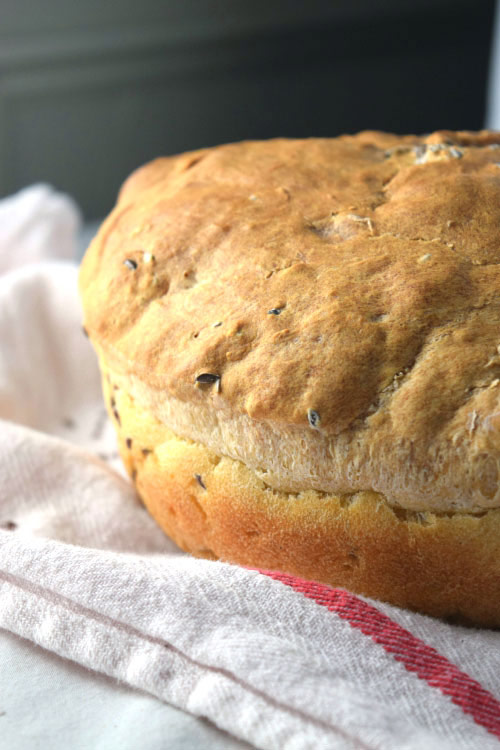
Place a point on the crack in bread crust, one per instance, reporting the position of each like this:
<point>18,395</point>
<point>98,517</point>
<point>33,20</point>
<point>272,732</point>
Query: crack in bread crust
<point>293,460</point>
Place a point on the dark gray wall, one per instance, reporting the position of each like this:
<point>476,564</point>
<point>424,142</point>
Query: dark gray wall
<point>90,90</point>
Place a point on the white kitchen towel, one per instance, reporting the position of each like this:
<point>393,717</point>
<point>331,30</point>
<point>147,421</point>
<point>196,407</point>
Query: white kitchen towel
<point>84,572</point>
<point>36,224</point>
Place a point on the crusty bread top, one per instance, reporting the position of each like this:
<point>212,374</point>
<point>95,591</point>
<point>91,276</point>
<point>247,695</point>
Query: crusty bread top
<point>346,288</point>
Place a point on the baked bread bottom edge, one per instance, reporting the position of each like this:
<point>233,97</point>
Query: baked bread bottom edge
<point>444,565</point>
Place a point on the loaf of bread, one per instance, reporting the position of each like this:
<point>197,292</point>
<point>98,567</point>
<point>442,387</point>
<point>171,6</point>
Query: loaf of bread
<point>300,348</point>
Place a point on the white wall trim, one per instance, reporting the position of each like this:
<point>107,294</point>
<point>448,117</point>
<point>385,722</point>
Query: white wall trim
<point>493,107</point>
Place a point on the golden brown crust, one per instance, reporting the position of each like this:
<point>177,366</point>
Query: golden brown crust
<point>216,507</point>
<point>339,299</point>
<point>380,254</point>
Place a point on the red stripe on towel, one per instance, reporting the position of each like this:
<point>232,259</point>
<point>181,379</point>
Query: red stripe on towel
<point>414,654</point>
